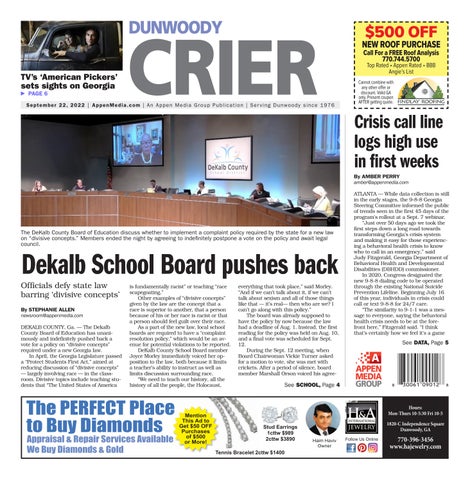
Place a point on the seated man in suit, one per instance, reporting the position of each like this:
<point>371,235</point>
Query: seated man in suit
<point>153,186</point>
<point>322,418</point>
<point>259,192</point>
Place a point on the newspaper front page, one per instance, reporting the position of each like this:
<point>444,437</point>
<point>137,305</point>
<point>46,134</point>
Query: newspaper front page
<point>232,236</point>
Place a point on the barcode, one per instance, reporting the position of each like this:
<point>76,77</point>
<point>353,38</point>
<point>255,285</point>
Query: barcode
<point>420,368</point>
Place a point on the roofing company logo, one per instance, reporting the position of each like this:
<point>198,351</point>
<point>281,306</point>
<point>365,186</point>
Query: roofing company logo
<point>369,369</point>
<point>421,91</point>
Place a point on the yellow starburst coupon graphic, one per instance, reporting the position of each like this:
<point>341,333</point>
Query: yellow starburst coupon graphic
<point>195,428</point>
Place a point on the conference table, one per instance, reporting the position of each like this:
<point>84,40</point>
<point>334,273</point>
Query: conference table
<point>116,208</point>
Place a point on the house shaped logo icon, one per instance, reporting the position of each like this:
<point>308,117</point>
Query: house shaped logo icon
<point>420,88</point>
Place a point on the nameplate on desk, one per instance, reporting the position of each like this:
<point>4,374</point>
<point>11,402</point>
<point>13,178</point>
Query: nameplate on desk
<point>71,193</point>
<point>221,200</point>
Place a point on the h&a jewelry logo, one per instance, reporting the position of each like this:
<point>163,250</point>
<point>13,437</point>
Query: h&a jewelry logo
<point>362,416</point>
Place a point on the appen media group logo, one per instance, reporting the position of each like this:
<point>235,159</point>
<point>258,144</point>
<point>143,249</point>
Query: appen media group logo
<point>369,369</point>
